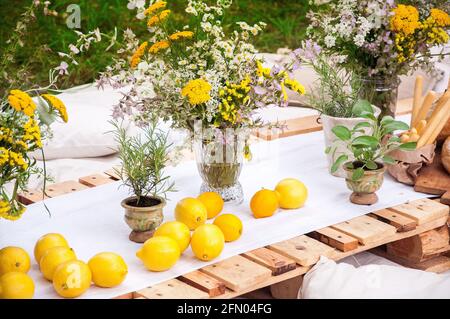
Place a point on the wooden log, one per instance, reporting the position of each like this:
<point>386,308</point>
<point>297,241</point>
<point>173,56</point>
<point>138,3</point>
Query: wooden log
<point>171,289</point>
<point>287,289</point>
<point>421,247</point>
<point>305,250</point>
<point>276,262</point>
<point>366,229</point>
<point>400,222</point>
<point>238,272</point>
<point>335,238</point>
<point>204,282</point>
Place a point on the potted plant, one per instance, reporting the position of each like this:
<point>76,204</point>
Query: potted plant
<point>364,174</point>
<point>143,160</point>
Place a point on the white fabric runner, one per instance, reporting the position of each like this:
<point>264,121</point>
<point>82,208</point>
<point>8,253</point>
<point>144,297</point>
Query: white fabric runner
<point>92,220</point>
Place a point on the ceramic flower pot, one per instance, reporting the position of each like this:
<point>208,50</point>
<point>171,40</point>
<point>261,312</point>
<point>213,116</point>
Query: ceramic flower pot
<point>364,188</point>
<point>143,220</point>
<point>328,122</point>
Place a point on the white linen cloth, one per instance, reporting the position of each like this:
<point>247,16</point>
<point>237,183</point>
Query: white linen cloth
<point>92,220</point>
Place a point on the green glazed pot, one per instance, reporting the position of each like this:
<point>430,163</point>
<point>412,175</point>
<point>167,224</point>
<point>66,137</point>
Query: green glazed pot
<point>364,188</point>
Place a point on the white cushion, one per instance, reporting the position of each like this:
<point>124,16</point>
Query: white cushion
<point>330,280</point>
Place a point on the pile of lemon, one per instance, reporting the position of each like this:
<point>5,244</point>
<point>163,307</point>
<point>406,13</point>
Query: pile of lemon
<point>171,239</point>
<point>58,263</point>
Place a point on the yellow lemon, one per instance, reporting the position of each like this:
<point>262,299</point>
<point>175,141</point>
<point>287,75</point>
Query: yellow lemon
<point>72,278</point>
<point>46,242</point>
<point>192,212</point>
<point>230,225</point>
<point>54,257</point>
<point>14,259</point>
<point>207,242</point>
<point>213,203</point>
<point>16,285</point>
<point>177,231</point>
<point>291,193</point>
<point>108,269</point>
<point>159,253</point>
<point>264,203</point>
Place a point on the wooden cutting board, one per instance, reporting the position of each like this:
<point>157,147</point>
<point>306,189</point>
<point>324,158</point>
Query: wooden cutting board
<point>434,179</point>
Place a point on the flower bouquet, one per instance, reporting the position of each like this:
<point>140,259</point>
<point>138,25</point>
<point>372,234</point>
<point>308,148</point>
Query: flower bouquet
<point>201,79</point>
<point>379,41</point>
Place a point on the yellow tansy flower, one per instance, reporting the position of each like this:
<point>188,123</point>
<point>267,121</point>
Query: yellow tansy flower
<point>158,46</point>
<point>158,18</point>
<point>405,19</point>
<point>181,35</point>
<point>136,58</point>
<point>197,91</point>
<point>158,5</point>
<point>441,18</point>
<point>21,102</point>
<point>56,104</point>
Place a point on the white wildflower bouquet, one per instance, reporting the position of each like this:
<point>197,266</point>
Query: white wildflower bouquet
<point>196,72</point>
<point>385,38</point>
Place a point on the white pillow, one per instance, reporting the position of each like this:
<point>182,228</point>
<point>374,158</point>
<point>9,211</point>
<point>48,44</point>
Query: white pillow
<point>328,280</point>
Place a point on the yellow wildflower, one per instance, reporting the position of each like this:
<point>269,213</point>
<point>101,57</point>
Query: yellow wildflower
<point>405,19</point>
<point>5,207</point>
<point>56,104</point>
<point>158,46</point>
<point>158,5</point>
<point>6,211</point>
<point>136,58</point>
<point>21,102</point>
<point>32,133</point>
<point>197,91</point>
<point>294,85</point>
<point>158,18</point>
<point>441,18</point>
<point>181,35</point>
<point>261,70</point>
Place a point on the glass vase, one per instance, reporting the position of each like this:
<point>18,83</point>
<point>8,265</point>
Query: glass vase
<point>381,91</point>
<point>219,154</point>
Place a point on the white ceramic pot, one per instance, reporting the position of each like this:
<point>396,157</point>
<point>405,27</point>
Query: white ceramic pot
<point>328,123</point>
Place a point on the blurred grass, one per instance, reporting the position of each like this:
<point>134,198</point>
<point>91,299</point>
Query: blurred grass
<point>49,35</point>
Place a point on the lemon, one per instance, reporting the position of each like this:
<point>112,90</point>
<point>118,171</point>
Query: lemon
<point>207,242</point>
<point>16,285</point>
<point>46,242</point>
<point>177,231</point>
<point>264,203</point>
<point>213,203</point>
<point>108,269</point>
<point>54,257</point>
<point>230,225</point>
<point>14,259</point>
<point>191,211</point>
<point>72,278</point>
<point>291,193</point>
<point>159,253</point>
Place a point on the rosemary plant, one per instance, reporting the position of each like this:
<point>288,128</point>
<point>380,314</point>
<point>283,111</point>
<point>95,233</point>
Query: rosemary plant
<point>143,160</point>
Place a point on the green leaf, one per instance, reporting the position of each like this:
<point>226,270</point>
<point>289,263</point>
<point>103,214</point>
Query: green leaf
<point>362,107</point>
<point>371,165</point>
<point>395,139</point>
<point>410,146</point>
<point>366,140</point>
<point>387,119</point>
<point>338,163</point>
<point>361,125</point>
<point>388,160</point>
<point>358,173</point>
<point>395,126</point>
<point>342,132</point>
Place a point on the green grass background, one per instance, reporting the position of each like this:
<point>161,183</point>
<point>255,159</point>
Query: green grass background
<point>48,35</point>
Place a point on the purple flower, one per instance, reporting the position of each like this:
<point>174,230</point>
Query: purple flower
<point>259,90</point>
<point>62,68</point>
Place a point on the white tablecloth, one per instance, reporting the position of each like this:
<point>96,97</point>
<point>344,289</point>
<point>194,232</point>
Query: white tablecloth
<point>92,220</point>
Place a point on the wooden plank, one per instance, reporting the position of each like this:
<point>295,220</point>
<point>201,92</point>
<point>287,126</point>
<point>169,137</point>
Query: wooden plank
<point>59,189</point>
<point>301,125</point>
<point>287,289</point>
<point>366,229</point>
<point>204,282</point>
<point>277,263</point>
<point>112,173</point>
<point>31,196</point>
<point>125,296</point>
<point>335,238</point>
<point>238,272</point>
<point>96,180</point>
<point>445,199</point>
<point>305,250</point>
<point>402,223</point>
<point>433,179</point>
<point>422,210</point>
<point>171,289</point>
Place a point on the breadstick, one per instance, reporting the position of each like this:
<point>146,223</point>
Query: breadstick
<point>432,124</point>
<point>418,87</point>
<point>425,108</point>
<point>443,100</point>
<point>440,126</point>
